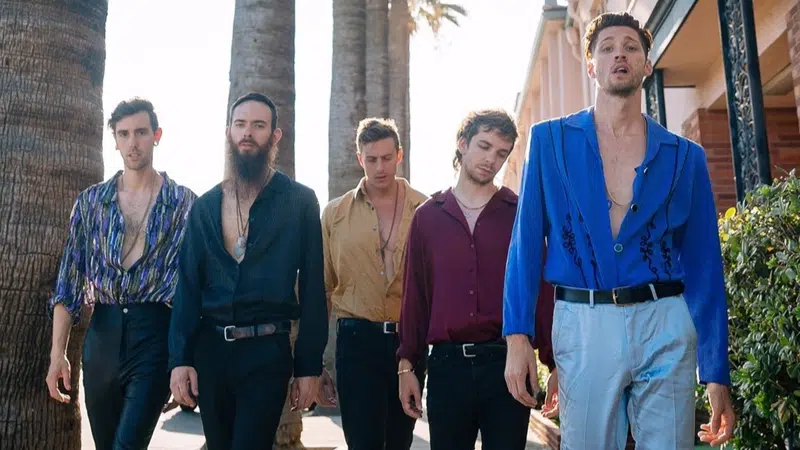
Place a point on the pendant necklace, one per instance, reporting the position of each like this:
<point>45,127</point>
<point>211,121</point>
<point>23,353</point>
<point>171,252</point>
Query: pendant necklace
<point>242,223</point>
<point>391,229</point>
<point>137,226</point>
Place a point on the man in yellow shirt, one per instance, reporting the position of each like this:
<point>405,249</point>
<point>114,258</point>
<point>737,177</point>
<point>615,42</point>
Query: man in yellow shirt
<point>364,237</point>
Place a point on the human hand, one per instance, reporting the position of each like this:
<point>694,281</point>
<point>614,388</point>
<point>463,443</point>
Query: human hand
<point>410,395</point>
<point>304,391</point>
<point>521,369</point>
<point>183,384</point>
<point>723,419</point>
<point>550,408</point>
<point>326,391</point>
<point>59,370</point>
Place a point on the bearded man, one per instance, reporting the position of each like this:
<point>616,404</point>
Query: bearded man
<point>249,241</point>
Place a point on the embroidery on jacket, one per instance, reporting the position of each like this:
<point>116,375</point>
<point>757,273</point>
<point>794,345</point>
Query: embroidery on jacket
<point>569,244</point>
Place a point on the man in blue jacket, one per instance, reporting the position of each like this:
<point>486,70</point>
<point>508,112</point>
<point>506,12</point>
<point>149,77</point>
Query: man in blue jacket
<point>633,250</point>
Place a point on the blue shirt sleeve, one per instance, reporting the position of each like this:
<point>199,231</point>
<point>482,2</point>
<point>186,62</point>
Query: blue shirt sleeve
<point>71,282</point>
<point>524,265</point>
<point>701,258</point>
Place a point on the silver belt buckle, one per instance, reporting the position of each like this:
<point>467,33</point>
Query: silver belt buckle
<point>464,350</point>
<point>225,333</point>
<point>386,328</point>
<point>614,296</point>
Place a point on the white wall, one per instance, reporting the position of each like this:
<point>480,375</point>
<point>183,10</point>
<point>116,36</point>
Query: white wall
<point>680,104</point>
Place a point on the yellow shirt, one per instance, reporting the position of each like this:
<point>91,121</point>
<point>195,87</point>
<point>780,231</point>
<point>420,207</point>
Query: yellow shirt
<point>354,280</point>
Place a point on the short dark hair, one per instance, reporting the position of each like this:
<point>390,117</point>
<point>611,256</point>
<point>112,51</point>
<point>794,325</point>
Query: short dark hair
<point>374,129</point>
<point>607,20</point>
<point>130,107</point>
<point>497,120</point>
<point>257,97</point>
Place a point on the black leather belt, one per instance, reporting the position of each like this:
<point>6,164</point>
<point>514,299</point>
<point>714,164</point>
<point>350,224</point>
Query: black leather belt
<point>232,333</point>
<point>382,327</point>
<point>621,296</point>
<point>469,350</point>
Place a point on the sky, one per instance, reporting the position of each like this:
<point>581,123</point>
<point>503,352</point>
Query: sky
<point>178,56</point>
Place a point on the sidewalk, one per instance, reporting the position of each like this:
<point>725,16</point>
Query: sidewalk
<point>178,430</point>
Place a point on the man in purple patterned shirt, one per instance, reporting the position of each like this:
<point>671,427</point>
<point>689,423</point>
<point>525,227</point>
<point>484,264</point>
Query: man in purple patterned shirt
<point>121,257</point>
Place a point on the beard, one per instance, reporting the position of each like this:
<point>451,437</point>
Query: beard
<point>251,167</point>
<point>626,89</point>
<point>477,177</point>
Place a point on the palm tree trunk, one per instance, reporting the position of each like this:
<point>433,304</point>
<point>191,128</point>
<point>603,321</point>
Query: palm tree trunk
<point>347,105</point>
<point>52,65</point>
<point>399,77</point>
<point>262,60</point>
<point>377,58</point>
<point>347,108</point>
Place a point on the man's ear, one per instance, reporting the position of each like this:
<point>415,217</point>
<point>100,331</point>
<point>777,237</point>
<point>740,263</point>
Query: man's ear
<point>277,135</point>
<point>590,69</point>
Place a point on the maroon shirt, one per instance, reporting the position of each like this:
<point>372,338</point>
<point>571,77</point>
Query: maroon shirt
<point>453,283</point>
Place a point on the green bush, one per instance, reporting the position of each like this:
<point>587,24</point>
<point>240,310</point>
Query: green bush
<point>762,264</point>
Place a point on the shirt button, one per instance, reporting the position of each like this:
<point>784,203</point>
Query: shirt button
<point>381,272</point>
<point>618,248</point>
<point>125,310</point>
<point>471,245</point>
<point>374,227</point>
<point>634,207</point>
<point>645,170</point>
<point>471,292</point>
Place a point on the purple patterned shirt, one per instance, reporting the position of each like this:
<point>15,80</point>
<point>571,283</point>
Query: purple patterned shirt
<point>91,268</point>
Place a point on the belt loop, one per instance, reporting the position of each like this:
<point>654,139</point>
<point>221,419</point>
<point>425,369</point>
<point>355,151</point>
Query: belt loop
<point>591,298</point>
<point>653,291</point>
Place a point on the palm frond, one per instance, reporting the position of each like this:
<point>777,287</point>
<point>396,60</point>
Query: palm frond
<point>435,13</point>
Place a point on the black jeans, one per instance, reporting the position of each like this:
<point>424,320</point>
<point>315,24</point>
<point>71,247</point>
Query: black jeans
<point>367,384</point>
<point>242,388</point>
<point>125,373</point>
<point>467,394</point>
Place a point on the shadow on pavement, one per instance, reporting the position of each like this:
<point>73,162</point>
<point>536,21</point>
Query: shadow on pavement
<point>183,422</point>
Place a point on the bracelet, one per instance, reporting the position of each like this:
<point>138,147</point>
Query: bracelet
<point>400,372</point>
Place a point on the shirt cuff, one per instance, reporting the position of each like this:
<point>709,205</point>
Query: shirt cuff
<point>306,367</point>
<point>412,356</point>
<point>74,312</point>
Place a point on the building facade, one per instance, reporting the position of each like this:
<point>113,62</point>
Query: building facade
<point>711,57</point>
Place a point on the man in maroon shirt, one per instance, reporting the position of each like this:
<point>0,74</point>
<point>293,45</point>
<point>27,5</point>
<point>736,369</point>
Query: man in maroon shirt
<point>453,299</point>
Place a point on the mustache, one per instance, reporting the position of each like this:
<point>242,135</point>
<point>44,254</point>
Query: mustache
<point>248,141</point>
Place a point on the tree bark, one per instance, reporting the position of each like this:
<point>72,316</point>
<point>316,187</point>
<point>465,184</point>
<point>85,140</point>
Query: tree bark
<point>347,106</point>
<point>377,58</point>
<point>262,60</point>
<point>52,65</point>
<point>399,77</point>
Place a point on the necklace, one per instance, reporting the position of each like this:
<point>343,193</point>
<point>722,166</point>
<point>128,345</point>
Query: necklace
<point>469,210</point>
<point>611,200</point>
<point>243,223</point>
<point>138,227</point>
<point>391,230</point>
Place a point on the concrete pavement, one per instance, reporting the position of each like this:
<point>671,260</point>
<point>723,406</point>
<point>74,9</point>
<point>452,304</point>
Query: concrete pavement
<point>179,430</point>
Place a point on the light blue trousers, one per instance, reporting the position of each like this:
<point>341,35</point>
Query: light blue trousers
<point>626,365</point>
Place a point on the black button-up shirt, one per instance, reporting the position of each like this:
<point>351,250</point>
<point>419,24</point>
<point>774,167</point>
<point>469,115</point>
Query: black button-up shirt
<point>284,247</point>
